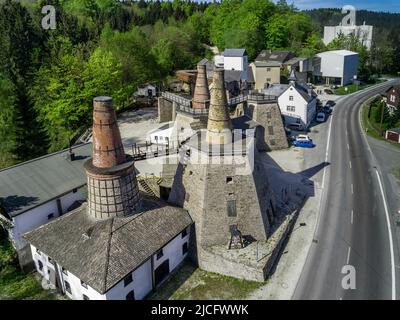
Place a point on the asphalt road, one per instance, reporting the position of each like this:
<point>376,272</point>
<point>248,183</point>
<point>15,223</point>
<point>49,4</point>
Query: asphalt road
<point>352,227</point>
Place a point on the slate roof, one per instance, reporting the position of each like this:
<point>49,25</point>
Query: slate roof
<point>232,75</point>
<point>101,253</point>
<point>272,64</point>
<point>235,52</point>
<point>303,90</point>
<point>35,182</point>
<point>278,56</point>
<point>396,130</point>
<point>275,89</point>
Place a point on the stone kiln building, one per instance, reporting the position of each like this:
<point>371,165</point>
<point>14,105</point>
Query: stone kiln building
<point>222,185</point>
<point>120,245</point>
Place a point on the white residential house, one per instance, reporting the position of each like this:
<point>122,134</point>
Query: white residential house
<point>298,103</point>
<point>40,190</point>
<point>336,67</point>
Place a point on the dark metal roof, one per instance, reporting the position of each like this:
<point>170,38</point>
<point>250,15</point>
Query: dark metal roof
<point>279,56</point>
<point>101,253</point>
<point>235,52</point>
<point>32,183</point>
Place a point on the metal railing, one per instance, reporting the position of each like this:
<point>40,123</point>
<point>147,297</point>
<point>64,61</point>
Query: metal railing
<point>185,104</point>
<point>182,101</point>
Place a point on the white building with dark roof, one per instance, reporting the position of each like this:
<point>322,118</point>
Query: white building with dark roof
<point>298,102</point>
<point>122,243</point>
<point>40,190</point>
<point>236,60</point>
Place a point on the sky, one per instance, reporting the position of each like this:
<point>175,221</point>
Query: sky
<point>373,5</point>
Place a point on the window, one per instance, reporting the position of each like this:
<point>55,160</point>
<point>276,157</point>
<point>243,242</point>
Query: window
<point>85,297</point>
<point>83,284</point>
<point>291,108</point>
<point>160,253</point>
<point>50,216</point>
<point>268,79</point>
<point>40,265</point>
<point>291,98</point>
<point>229,180</point>
<point>184,233</point>
<point>268,69</point>
<point>67,287</point>
<point>130,295</point>
<point>74,190</point>
<point>128,279</point>
<point>231,207</point>
<point>270,130</point>
<point>184,248</point>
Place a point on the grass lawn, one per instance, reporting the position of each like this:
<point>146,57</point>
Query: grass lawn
<point>396,173</point>
<point>353,88</point>
<point>14,284</point>
<point>192,283</point>
<point>373,128</point>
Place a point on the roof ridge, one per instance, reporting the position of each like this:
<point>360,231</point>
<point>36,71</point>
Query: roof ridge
<point>44,156</point>
<point>108,255</point>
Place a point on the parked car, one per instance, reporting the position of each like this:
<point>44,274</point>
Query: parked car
<point>321,117</point>
<point>303,137</point>
<point>328,91</point>
<point>295,126</point>
<point>303,143</point>
<point>330,103</point>
<point>327,109</point>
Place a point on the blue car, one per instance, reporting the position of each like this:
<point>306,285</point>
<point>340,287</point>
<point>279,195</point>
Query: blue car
<point>303,144</point>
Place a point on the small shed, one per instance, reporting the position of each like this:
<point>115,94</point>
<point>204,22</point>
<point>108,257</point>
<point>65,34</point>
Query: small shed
<point>147,90</point>
<point>393,135</point>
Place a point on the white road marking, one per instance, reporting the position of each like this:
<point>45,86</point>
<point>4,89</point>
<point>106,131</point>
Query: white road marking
<point>352,216</point>
<point>390,237</point>
<point>326,159</point>
<point>348,255</point>
<point>386,213</point>
<point>350,164</point>
<point>348,147</point>
<point>352,188</point>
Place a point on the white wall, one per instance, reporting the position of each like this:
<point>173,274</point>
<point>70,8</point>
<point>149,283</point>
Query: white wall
<point>36,217</point>
<point>303,111</point>
<point>141,284</point>
<point>335,65</point>
<point>142,276</point>
<point>173,252</point>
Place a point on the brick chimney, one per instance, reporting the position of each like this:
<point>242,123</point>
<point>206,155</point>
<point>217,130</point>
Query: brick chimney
<point>219,127</point>
<point>112,185</point>
<point>108,150</point>
<point>201,91</point>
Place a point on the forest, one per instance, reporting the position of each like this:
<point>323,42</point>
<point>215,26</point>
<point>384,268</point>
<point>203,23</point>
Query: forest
<point>48,78</point>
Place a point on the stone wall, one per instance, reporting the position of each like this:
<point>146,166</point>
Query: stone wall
<point>205,191</point>
<point>268,115</point>
<point>164,110</point>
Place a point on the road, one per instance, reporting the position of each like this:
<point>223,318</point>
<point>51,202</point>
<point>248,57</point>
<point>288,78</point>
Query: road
<point>353,226</point>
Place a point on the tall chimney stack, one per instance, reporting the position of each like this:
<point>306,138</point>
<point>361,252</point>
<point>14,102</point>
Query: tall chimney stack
<point>112,185</point>
<point>201,90</point>
<point>219,127</point>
